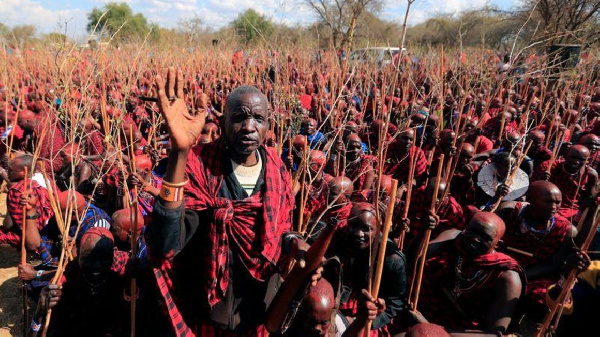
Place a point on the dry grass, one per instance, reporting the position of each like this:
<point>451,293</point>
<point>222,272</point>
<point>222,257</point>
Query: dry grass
<point>10,296</point>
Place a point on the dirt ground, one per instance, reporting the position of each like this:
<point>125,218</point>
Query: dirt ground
<point>10,287</point>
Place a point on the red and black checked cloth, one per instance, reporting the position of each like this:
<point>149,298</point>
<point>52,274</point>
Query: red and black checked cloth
<point>251,228</point>
<point>450,213</point>
<point>474,302</point>
<point>399,169</point>
<point>16,210</point>
<point>357,171</point>
<point>568,184</point>
<point>543,247</point>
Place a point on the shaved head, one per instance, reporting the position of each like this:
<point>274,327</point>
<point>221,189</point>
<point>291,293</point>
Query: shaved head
<point>540,187</point>
<point>481,234</point>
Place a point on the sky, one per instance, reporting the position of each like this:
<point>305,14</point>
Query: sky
<point>56,16</point>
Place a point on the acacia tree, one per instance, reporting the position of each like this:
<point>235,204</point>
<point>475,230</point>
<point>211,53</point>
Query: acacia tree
<point>566,21</point>
<point>118,20</point>
<point>338,16</point>
<point>251,26</point>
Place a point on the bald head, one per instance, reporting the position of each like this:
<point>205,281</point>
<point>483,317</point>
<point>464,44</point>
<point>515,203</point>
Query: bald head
<point>481,234</point>
<point>339,188</point>
<point>591,141</point>
<point>540,188</point>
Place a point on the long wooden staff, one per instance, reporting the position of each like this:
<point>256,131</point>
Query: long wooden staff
<point>423,255</point>
<point>559,136</point>
<point>303,186</point>
<point>409,186</point>
<point>389,214</point>
<point>566,284</point>
<point>512,175</point>
<point>133,236</point>
<point>24,251</point>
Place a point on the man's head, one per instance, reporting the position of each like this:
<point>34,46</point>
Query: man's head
<point>511,141</point>
<point>122,224</point>
<point>544,199</point>
<point>467,152</point>
<point>339,190</point>
<point>309,126</point>
<point>430,189</point>
<point>316,162</point>
<point>73,199</point>
<point>27,120</point>
<point>95,257</point>
<point>446,139</point>
<point>405,140</point>
<point>245,120</point>
<point>362,223</point>
<point>576,157</point>
<point>16,167</point>
<point>353,147</point>
<point>504,163</point>
<point>537,138</point>
<point>591,141</point>
<point>317,310</point>
<point>482,234</point>
<point>143,163</point>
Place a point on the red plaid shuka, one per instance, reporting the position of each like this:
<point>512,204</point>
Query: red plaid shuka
<point>542,246</point>
<point>450,212</point>
<point>473,299</point>
<point>568,184</point>
<point>357,170</point>
<point>399,169</point>
<point>94,145</point>
<point>51,145</point>
<point>316,198</point>
<point>16,210</point>
<point>251,228</point>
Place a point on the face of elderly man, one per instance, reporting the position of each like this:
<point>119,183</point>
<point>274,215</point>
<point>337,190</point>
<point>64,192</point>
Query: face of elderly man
<point>246,121</point>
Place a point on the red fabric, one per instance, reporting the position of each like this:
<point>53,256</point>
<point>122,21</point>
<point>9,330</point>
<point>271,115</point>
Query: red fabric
<point>305,101</point>
<point>484,144</point>
<point>16,210</point>
<point>450,213</point>
<point>252,228</point>
<point>399,169</point>
<point>568,184</point>
<point>474,298</point>
<point>542,246</point>
<point>357,171</point>
<point>316,199</point>
<point>50,148</point>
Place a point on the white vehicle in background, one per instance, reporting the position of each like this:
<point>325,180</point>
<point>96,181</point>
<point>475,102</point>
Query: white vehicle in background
<point>382,56</point>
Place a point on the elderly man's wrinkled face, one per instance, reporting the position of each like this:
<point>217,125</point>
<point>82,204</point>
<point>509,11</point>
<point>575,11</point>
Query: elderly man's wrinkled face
<point>246,123</point>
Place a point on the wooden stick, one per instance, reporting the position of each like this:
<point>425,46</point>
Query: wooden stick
<point>512,175</point>
<point>24,252</point>
<point>389,214</point>
<point>303,186</point>
<point>409,185</point>
<point>567,283</point>
<point>425,243</point>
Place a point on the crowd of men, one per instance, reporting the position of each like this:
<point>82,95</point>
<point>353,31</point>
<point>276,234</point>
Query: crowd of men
<point>250,199</point>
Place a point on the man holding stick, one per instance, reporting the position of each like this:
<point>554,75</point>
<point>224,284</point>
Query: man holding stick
<point>238,205</point>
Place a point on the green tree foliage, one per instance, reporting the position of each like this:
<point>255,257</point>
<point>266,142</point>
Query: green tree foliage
<point>481,28</point>
<point>251,26</point>
<point>119,20</point>
<point>21,35</point>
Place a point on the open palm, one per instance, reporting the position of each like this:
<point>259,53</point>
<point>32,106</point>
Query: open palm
<point>184,127</point>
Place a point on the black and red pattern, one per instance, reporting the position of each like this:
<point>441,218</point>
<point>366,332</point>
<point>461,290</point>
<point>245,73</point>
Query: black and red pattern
<point>15,210</point>
<point>471,304</point>
<point>399,169</point>
<point>251,228</point>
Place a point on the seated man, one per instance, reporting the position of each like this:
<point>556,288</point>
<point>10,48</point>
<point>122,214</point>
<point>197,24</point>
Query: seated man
<point>352,245</point>
<point>467,284</point>
<point>573,176</point>
<point>541,235</point>
<point>90,300</point>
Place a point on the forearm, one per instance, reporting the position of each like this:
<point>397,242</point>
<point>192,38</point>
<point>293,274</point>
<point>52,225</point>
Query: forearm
<point>164,235</point>
<point>176,173</point>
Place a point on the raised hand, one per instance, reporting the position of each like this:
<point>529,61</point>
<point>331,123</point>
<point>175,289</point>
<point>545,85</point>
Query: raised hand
<point>184,128</point>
